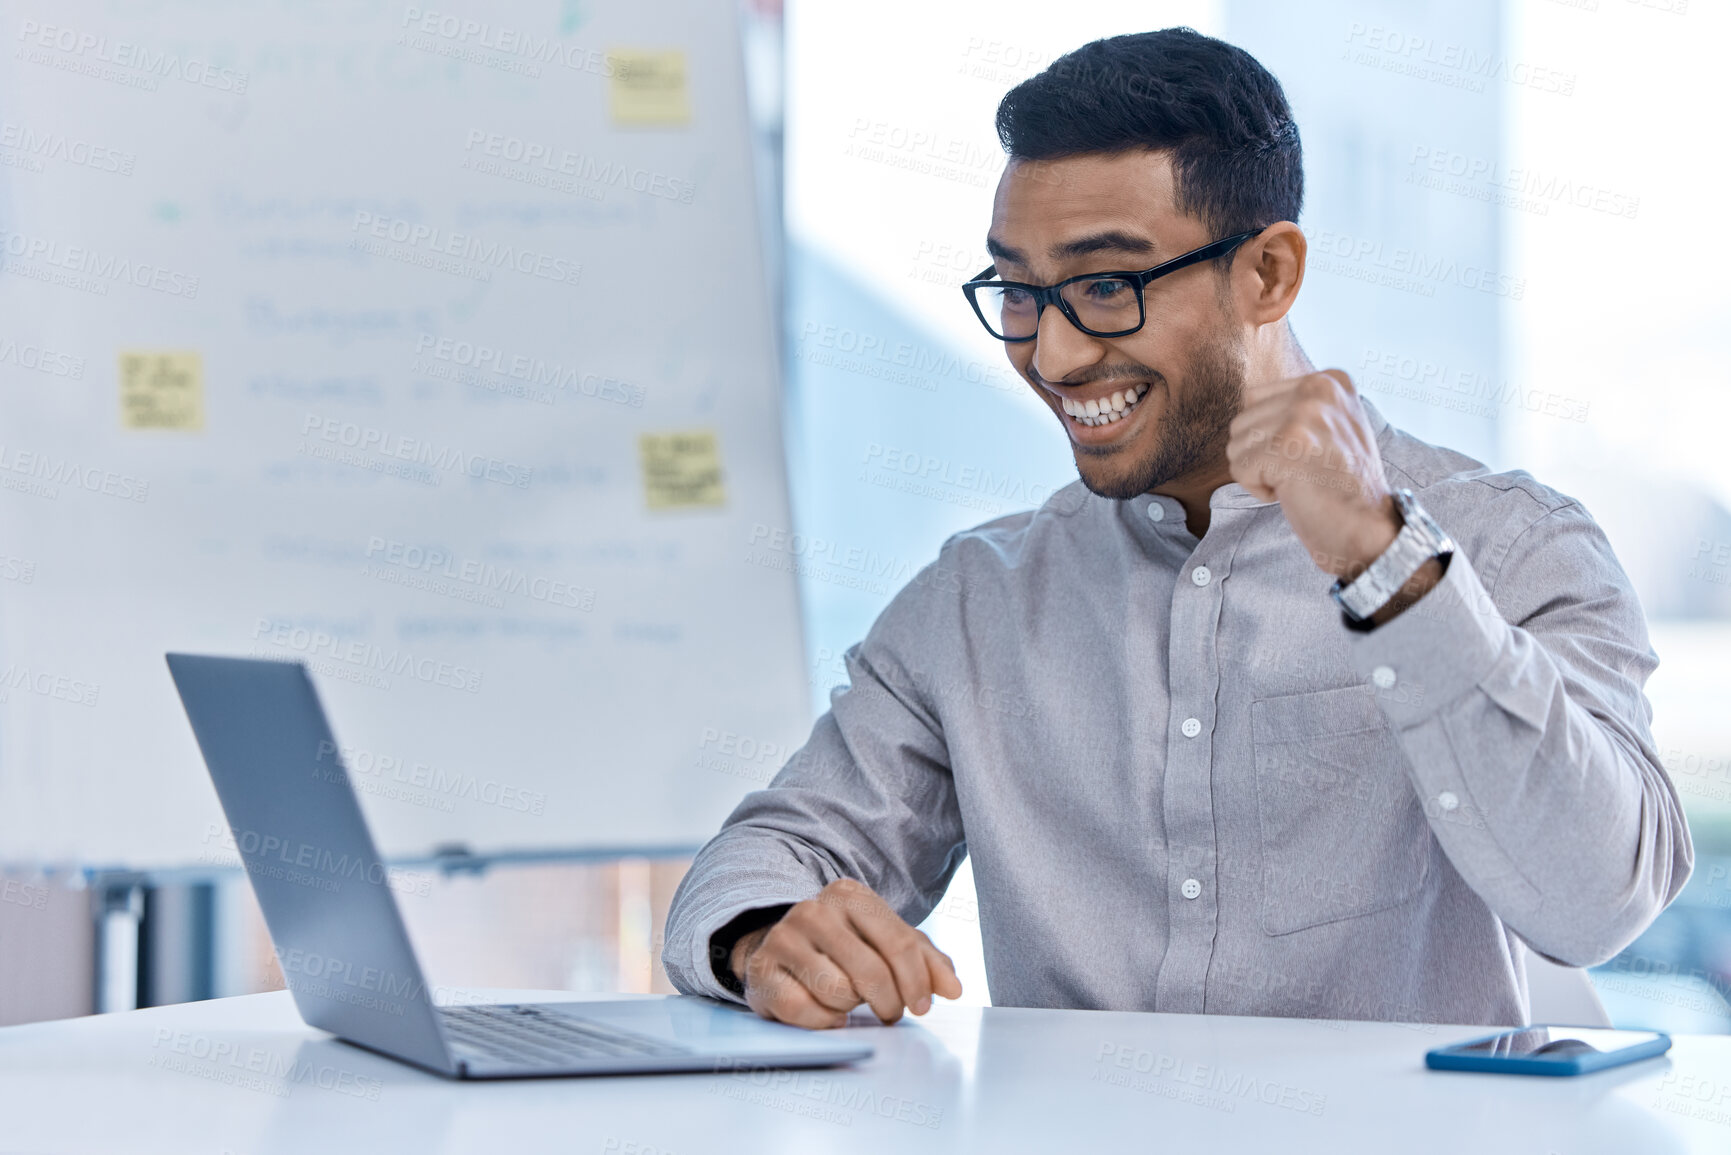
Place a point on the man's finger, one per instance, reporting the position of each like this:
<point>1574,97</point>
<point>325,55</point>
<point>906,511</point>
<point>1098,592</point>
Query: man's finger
<point>942,971</point>
<point>1246,461</point>
<point>820,974</point>
<point>882,929</point>
<point>896,942</point>
<point>871,975</point>
<point>781,996</point>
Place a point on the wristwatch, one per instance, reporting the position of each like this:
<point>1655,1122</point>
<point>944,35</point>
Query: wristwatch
<point>1419,540</point>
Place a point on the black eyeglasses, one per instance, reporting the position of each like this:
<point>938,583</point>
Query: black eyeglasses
<point>1099,304</point>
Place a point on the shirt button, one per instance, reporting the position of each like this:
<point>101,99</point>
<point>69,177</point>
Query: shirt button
<point>1200,575</point>
<point>1156,511</point>
<point>1191,727</point>
<point>1191,888</point>
<point>1382,677</point>
<point>1447,800</point>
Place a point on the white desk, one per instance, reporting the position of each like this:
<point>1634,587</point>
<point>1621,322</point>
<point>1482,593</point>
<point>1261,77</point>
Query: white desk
<point>998,1081</point>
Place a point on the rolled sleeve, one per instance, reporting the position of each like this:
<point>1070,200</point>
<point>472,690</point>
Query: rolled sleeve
<point>1527,738</point>
<point>870,797</point>
<point>1436,651</point>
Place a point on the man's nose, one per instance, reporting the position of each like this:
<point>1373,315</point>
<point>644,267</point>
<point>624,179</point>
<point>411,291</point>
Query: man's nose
<point>1060,348</point>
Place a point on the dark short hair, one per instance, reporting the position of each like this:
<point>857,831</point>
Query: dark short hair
<point>1236,158</point>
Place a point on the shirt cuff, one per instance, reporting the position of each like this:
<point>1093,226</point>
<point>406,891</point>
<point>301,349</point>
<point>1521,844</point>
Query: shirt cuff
<point>722,942</point>
<point>691,968</point>
<point>1434,651</point>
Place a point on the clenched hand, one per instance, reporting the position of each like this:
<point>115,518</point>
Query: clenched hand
<point>831,953</point>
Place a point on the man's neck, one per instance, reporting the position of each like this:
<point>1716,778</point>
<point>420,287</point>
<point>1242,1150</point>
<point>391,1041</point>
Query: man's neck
<point>1192,491</point>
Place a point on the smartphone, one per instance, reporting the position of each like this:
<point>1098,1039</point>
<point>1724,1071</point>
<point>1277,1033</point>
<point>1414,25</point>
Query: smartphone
<point>1549,1050</point>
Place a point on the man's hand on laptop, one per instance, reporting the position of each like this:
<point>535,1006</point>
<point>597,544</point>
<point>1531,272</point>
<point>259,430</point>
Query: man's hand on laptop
<point>831,953</point>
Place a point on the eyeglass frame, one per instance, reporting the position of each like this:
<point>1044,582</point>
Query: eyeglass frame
<point>1051,294</point>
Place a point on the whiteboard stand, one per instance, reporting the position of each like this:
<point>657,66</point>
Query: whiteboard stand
<point>158,940</point>
<point>117,900</point>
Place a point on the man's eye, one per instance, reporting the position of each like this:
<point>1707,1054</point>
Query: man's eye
<point>1017,298</point>
<point>1106,291</point>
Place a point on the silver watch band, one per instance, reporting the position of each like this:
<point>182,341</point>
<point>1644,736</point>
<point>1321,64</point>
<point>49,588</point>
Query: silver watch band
<point>1419,540</point>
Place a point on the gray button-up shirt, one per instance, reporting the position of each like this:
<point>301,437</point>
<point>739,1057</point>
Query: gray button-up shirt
<point>1187,786</point>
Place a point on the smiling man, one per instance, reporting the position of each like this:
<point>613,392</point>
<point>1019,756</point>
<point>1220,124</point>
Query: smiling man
<point>1279,710</point>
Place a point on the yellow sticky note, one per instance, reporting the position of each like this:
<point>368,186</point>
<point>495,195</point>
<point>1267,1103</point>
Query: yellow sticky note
<point>681,470</point>
<point>162,390</point>
<point>649,87</point>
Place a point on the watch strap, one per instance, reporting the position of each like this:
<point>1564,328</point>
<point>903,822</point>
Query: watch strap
<point>1420,539</point>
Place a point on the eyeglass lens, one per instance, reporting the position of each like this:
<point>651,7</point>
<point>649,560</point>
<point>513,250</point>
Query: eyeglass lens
<point>1102,304</point>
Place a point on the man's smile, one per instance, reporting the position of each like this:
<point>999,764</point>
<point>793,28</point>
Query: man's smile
<point>1094,416</point>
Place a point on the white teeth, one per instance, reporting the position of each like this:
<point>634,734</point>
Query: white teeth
<point>1104,410</point>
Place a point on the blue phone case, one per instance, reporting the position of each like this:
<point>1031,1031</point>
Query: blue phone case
<point>1451,1059</point>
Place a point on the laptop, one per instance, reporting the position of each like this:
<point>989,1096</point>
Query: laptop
<point>326,897</point>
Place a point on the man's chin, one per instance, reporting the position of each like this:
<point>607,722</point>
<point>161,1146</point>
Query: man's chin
<point>1115,485</point>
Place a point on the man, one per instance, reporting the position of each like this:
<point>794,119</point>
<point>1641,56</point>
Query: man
<point>1190,779</point>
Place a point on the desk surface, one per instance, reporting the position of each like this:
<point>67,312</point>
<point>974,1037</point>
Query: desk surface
<point>246,1076</point>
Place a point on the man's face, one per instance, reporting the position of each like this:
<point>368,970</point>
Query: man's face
<point>1185,367</point>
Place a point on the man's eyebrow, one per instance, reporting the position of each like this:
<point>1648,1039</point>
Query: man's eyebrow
<point>1002,252</point>
<point>1110,241</point>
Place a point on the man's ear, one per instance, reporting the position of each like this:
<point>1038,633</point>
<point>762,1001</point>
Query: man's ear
<point>1267,271</point>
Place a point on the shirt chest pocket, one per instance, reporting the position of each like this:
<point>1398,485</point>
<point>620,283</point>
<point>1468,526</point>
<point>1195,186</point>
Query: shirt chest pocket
<point>1341,828</point>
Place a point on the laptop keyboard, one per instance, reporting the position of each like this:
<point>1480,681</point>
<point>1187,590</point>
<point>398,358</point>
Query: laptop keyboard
<point>522,1033</point>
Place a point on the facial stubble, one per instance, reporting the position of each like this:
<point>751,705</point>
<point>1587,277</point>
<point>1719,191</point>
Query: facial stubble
<point>1191,436</point>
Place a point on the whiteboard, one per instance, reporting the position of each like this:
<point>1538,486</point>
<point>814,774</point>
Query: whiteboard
<point>334,332</point>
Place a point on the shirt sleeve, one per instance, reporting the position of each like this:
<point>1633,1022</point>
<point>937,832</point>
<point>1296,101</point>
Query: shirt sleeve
<point>869,797</point>
<point>1527,735</point>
